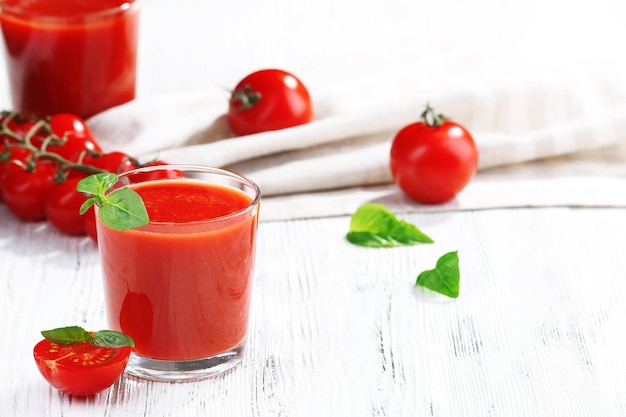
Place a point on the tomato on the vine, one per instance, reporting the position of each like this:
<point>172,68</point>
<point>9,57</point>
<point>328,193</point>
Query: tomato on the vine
<point>75,135</point>
<point>12,159</point>
<point>24,191</point>
<point>434,159</point>
<point>160,174</point>
<point>115,162</point>
<point>268,99</point>
<point>66,122</point>
<point>89,224</point>
<point>62,207</point>
<point>80,369</point>
<point>19,124</point>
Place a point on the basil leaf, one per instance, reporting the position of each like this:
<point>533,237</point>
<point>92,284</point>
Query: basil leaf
<point>66,335</point>
<point>87,205</point>
<point>96,184</point>
<point>112,339</point>
<point>445,278</point>
<point>374,225</point>
<point>123,209</point>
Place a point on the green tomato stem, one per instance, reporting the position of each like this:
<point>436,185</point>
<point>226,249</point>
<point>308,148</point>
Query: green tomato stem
<point>432,119</point>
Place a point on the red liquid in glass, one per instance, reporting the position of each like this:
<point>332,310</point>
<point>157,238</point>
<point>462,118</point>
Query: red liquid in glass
<point>182,291</point>
<point>70,56</point>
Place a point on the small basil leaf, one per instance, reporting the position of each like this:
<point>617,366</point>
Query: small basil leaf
<point>66,335</point>
<point>374,225</point>
<point>445,278</point>
<point>87,205</point>
<point>123,209</point>
<point>96,184</point>
<point>112,339</point>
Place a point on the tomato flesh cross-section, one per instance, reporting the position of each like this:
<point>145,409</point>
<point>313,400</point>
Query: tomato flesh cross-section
<point>80,369</point>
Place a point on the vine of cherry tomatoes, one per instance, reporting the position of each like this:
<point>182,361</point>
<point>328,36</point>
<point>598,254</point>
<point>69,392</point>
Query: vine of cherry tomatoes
<point>42,159</point>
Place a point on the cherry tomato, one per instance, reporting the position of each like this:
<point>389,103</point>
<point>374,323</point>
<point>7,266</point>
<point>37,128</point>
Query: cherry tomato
<point>24,191</point>
<point>19,124</point>
<point>62,207</point>
<point>268,99</point>
<point>89,224</point>
<point>80,369</point>
<point>161,174</point>
<point>10,161</point>
<point>115,162</point>
<point>434,159</point>
<point>76,135</point>
<point>66,122</point>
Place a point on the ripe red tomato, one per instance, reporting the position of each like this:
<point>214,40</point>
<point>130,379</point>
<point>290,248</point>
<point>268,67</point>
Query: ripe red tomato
<point>66,122</point>
<point>19,124</point>
<point>161,174</point>
<point>115,162</point>
<point>24,191</point>
<point>89,223</point>
<point>10,159</point>
<point>80,369</point>
<point>434,159</point>
<point>268,99</point>
<point>77,135</point>
<point>62,207</point>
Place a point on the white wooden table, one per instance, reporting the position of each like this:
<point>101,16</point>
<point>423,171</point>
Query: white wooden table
<point>339,330</point>
<point>538,328</point>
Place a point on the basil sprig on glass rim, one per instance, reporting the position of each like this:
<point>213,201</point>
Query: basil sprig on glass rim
<point>75,334</point>
<point>120,209</point>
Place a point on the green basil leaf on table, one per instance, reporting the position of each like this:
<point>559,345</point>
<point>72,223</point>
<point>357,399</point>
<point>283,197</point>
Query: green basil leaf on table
<point>445,278</point>
<point>374,225</point>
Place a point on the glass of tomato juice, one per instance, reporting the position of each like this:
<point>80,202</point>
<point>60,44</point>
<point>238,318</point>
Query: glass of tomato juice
<point>180,286</point>
<point>70,56</point>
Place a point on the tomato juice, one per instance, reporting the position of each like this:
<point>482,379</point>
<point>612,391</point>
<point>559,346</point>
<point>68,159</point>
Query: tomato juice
<point>70,56</point>
<point>181,285</point>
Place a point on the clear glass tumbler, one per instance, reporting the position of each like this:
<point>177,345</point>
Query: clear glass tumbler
<point>181,285</point>
<point>70,56</point>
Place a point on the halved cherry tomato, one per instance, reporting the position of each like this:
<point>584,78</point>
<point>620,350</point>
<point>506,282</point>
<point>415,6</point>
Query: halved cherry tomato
<point>24,191</point>
<point>434,159</point>
<point>268,99</point>
<point>115,162</point>
<point>80,369</point>
<point>62,207</point>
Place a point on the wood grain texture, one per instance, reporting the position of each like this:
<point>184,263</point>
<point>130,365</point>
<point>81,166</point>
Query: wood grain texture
<point>341,330</point>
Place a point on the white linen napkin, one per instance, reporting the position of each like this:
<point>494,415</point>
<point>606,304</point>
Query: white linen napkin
<point>516,113</point>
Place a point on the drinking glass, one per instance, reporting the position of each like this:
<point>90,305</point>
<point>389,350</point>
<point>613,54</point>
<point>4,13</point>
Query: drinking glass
<point>181,285</point>
<point>70,56</point>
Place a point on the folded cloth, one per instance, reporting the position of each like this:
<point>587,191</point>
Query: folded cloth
<point>516,114</point>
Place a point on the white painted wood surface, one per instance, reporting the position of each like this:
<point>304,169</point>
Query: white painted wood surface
<point>538,329</point>
<point>338,330</point>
